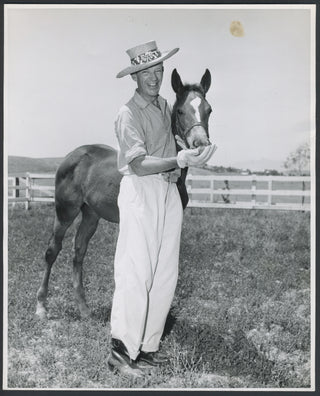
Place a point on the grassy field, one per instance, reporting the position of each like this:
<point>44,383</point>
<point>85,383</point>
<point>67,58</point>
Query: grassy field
<point>240,317</point>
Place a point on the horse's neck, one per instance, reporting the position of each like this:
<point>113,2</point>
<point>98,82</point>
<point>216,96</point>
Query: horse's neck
<point>174,123</point>
<point>184,173</point>
<point>174,129</point>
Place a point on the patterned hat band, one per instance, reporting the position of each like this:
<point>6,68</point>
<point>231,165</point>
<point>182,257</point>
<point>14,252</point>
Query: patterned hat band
<point>146,57</point>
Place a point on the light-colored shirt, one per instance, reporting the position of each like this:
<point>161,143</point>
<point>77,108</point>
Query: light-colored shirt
<point>144,129</point>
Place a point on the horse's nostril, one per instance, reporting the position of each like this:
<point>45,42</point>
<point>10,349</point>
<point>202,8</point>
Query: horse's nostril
<point>200,143</point>
<point>197,143</point>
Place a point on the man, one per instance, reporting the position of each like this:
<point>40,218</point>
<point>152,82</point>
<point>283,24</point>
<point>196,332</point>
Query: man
<point>146,259</point>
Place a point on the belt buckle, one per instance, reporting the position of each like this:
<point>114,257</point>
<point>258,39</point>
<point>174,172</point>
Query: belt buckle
<point>166,176</point>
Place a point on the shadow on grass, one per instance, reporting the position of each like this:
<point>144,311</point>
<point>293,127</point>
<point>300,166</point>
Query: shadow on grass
<point>101,314</point>
<point>71,313</point>
<point>170,322</point>
<point>233,354</point>
<point>219,352</point>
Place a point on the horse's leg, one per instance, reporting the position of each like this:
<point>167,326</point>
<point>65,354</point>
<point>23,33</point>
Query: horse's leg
<point>85,231</point>
<point>55,245</point>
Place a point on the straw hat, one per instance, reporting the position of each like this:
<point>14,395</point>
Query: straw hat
<point>144,56</point>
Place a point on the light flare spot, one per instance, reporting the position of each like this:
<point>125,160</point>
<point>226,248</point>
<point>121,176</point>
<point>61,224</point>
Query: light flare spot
<point>236,29</point>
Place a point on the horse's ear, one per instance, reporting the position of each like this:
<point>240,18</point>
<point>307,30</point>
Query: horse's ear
<point>176,81</point>
<point>206,81</point>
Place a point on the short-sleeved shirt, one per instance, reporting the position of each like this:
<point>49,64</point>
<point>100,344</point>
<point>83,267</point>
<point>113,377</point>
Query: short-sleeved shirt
<point>144,129</point>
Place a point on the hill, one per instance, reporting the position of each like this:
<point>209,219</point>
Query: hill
<point>209,170</point>
<point>18,164</point>
<point>260,165</point>
<point>38,165</point>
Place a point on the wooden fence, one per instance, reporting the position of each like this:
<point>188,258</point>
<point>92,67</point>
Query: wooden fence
<point>249,192</point>
<point>30,187</point>
<point>210,191</point>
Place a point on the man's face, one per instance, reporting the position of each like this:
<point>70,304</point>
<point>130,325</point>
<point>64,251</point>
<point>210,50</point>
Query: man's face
<point>149,81</point>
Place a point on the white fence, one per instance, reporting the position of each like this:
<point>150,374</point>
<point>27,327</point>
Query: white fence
<point>210,191</point>
<point>249,192</point>
<point>30,187</point>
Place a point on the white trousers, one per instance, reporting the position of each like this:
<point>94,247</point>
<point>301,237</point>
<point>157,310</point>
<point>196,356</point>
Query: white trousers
<point>146,261</point>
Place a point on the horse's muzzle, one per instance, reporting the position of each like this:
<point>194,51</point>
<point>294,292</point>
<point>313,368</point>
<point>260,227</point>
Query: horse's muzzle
<point>198,137</point>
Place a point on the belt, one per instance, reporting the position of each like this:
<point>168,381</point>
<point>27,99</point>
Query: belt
<point>169,177</point>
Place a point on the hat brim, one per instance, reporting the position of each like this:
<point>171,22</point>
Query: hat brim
<point>134,69</point>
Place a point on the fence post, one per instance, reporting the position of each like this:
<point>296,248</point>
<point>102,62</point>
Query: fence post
<point>211,188</point>
<point>190,193</point>
<point>303,189</point>
<point>28,191</point>
<point>16,192</point>
<point>253,189</point>
<point>226,197</point>
<point>270,191</point>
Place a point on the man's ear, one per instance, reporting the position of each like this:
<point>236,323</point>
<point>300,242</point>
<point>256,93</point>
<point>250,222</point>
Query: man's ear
<point>134,76</point>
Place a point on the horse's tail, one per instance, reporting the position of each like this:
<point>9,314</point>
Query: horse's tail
<point>69,163</point>
<point>68,187</point>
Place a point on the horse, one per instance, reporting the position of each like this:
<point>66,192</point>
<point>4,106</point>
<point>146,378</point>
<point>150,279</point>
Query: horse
<point>88,181</point>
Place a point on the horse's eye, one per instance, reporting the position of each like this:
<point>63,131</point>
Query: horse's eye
<point>180,111</point>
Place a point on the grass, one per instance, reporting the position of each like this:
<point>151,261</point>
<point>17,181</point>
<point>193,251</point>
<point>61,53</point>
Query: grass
<point>240,317</point>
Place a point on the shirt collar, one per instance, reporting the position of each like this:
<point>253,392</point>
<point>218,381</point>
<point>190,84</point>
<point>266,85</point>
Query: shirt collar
<point>142,103</point>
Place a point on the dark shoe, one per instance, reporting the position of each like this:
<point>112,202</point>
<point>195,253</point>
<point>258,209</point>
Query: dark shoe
<point>120,361</point>
<point>151,359</point>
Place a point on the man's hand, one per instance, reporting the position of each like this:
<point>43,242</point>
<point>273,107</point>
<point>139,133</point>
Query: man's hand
<point>195,157</point>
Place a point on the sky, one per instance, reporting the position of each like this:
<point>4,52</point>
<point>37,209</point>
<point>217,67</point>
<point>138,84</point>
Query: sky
<point>61,61</point>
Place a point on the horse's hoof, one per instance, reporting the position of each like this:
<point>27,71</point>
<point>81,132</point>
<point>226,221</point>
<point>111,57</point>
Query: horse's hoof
<point>41,313</point>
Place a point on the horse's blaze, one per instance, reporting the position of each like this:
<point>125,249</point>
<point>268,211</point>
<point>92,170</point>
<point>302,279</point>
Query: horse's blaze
<point>195,104</point>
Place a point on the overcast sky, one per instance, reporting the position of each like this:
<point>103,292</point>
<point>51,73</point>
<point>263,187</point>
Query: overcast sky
<point>60,66</point>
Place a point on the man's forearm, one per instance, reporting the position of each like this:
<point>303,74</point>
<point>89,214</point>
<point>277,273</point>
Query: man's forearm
<point>148,165</point>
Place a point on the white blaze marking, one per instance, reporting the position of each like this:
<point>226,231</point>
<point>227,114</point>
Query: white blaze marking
<point>195,103</point>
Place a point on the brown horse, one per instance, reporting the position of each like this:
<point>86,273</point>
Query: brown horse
<point>88,181</point>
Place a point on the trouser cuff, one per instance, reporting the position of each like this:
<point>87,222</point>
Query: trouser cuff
<point>150,348</point>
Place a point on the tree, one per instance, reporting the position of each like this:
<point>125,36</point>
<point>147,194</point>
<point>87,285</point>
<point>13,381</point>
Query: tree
<point>298,162</point>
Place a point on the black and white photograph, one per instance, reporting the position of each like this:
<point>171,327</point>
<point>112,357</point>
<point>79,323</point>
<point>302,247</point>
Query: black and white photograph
<point>159,197</point>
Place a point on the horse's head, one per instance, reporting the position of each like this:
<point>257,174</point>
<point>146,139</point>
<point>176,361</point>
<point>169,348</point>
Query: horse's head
<point>191,111</point>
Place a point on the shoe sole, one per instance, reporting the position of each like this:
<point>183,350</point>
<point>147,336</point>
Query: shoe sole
<point>143,361</point>
<point>125,371</point>
<point>146,364</point>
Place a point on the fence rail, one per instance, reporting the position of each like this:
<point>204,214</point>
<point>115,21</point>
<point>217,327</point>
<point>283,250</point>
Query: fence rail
<point>208,191</point>
<point>249,192</point>
<point>29,187</point>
